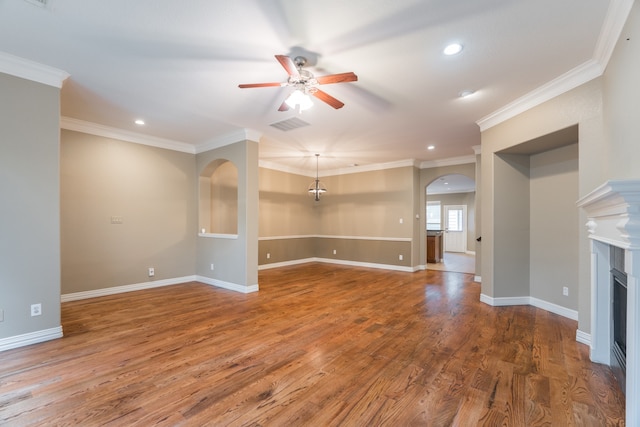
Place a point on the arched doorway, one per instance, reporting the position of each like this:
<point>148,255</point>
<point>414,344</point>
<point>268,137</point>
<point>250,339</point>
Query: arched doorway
<point>450,223</point>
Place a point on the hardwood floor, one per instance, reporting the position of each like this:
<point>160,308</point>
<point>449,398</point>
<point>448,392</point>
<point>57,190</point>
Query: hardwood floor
<point>455,262</point>
<point>318,345</point>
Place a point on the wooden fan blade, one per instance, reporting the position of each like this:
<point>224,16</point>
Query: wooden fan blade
<point>284,106</point>
<point>324,96</point>
<point>248,85</point>
<point>288,64</point>
<point>337,78</point>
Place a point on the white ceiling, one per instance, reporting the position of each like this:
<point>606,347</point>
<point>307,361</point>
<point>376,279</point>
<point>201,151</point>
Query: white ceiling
<point>177,65</point>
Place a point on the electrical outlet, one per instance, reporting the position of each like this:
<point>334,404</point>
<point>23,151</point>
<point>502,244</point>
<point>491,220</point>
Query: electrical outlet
<point>400,257</point>
<point>335,252</point>
<point>212,267</point>
<point>268,255</point>
<point>152,271</point>
<point>565,291</point>
<point>1,315</point>
<point>401,220</point>
<point>36,309</point>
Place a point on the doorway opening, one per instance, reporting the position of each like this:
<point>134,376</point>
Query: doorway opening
<point>450,213</point>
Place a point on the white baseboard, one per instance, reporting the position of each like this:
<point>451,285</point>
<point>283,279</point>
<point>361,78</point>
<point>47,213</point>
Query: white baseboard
<point>30,338</point>
<point>340,262</point>
<point>583,337</point>
<point>285,263</point>
<point>125,288</point>
<point>535,302</point>
<point>228,285</point>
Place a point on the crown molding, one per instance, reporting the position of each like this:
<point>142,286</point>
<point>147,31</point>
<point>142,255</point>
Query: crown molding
<point>231,138</point>
<point>30,70</point>
<point>114,133</point>
<point>614,21</point>
<point>452,161</point>
<point>562,84</point>
<point>341,171</point>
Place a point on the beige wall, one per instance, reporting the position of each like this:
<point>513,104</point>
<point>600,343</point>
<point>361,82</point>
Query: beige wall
<point>29,206</point>
<point>366,205</point>
<point>621,98</point>
<point>151,189</point>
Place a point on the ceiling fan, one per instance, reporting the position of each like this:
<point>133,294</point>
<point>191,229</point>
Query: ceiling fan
<point>305,84</point>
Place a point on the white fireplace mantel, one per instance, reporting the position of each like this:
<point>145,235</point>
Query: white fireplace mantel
<point>613,212</point>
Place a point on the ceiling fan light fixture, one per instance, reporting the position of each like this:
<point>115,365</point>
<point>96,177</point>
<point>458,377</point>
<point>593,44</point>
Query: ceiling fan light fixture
<point>299,99</point>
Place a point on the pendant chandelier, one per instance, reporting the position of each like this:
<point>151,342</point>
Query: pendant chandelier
<point>316,188</point>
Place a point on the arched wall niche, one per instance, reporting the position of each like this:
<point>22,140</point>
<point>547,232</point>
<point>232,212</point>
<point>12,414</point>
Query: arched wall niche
<point>218,198</point>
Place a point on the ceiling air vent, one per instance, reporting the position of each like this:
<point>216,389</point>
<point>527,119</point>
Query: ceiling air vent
<point>289,124</point>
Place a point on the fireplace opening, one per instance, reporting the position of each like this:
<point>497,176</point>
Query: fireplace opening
<point>619,314</point>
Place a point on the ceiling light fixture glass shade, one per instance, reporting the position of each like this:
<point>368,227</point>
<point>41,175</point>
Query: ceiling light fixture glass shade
<point>299,99</point>
<point>316,188</point>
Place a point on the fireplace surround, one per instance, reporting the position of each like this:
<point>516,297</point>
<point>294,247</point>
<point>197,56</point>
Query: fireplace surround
<point>613,211</point>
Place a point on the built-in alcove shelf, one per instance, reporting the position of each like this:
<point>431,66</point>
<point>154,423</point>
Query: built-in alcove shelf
<point>218,236</point>
<point>613,212</point>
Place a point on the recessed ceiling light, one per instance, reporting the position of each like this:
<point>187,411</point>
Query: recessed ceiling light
<point>466,93</point>
<point>139,122</point>
<point>453,49</point>
<point>431,147</point>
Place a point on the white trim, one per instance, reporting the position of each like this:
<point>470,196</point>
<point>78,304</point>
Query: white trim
<point>535,302</point>
<point>340,262</point>
<point>477,279</point>
<point>31,70</point>
<point>308,236</point>
<point>556,87</point>
<point>583,337</point>
<point>125,288</point>
<point>614,21</point>
<point>470,252</point>
<point>124,135</point>
<point>555,308</point>
<point>231,138</point>
<point>451,161</point>
<point>387,239</point>
<point>30,338</point>
<point>477,150</point>
<point>219,236</point>
<point>286,263</point>
<point>228,285</point>
<point>342,171</point>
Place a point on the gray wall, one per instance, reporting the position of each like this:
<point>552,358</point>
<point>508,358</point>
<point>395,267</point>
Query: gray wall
<point>153,191</point>
<point>554,227</point>
<point>235,260</point>
<point>30,206</point>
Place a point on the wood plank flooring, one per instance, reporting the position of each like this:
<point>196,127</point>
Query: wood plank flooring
<point>319,345</point>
